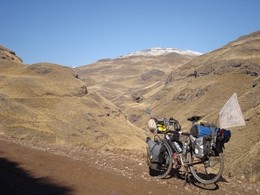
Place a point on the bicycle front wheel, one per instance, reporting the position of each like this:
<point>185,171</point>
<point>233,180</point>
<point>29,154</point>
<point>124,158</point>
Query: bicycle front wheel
<point>165,166</point>
<point>206,171</point>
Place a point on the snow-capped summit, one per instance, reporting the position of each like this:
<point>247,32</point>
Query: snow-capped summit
<point>158,51</point>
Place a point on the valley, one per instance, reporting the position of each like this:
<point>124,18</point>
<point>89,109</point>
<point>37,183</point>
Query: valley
<point>82,130</point>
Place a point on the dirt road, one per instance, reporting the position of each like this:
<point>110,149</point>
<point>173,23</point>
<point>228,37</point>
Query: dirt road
<point>26,169</point>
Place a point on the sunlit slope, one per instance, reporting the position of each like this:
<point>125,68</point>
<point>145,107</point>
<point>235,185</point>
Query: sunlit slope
<point>129,80</point>
<point>47,103</point>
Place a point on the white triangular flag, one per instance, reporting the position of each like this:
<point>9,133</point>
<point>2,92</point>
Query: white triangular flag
<point>231,114</point>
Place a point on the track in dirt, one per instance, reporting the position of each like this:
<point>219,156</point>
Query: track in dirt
<point>25,170</point>
<point>28,171</point>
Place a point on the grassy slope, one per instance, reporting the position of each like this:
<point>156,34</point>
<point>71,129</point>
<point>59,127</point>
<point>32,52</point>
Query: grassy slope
<point>46,103</point>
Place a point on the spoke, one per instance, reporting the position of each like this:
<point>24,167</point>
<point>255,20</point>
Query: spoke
<point>206,170</point>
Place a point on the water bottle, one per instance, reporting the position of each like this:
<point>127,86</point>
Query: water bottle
<point>185,148</point>
<point>177,147</point>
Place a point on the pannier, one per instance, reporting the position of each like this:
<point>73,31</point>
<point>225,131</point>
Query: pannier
<point>201,146</point>
<point>203,137</point>
<point>154,151</point>
<point>223,135</point>
<point>203,130</point>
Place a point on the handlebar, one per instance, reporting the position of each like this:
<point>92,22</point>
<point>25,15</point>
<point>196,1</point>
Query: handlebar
<point>169,122</point>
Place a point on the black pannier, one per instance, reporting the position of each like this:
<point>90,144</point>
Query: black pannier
<point>154,151</point>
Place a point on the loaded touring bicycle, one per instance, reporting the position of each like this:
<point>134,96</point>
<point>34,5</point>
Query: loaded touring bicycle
<point>199,151</point>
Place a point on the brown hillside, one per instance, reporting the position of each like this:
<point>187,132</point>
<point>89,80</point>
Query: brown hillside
<point>241,55</point>
<point>47,104</point>
<point>128,81</point>
<point>233,68</point>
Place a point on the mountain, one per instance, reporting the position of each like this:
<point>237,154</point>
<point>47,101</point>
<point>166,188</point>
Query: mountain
<point>46,104</point>
<point>158,51</point>
<point>130,79</point>
<point>180,85</point>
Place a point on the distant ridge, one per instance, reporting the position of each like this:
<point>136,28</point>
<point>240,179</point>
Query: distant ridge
<point>159,51</point>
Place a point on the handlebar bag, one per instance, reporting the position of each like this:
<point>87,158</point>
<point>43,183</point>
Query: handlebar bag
<point>161,128</point>
<point>156,126</point>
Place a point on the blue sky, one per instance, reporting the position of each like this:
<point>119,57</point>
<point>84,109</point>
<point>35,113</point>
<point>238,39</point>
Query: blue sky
<point>80,32</point>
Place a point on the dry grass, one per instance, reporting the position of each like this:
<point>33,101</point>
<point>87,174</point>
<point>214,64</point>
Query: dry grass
<point>46,103</point>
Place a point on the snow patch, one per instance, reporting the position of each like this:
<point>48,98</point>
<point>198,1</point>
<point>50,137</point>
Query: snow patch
<point>158,51</point>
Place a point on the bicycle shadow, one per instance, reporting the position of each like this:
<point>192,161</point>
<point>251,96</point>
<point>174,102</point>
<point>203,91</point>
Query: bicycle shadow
<point>16,180</point>
<point>211,187</point>
<point>190,180</point>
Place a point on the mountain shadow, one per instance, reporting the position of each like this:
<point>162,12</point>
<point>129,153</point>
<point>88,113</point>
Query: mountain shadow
<point>15,180</point>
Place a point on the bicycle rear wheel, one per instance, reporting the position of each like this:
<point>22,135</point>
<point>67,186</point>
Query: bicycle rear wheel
<point>207,171</point>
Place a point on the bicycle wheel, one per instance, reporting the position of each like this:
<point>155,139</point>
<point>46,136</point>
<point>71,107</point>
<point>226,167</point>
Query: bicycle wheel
<point>207,171</point>
<point>165,166</point>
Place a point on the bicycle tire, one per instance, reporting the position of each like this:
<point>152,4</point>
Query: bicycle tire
<point>214,164</point>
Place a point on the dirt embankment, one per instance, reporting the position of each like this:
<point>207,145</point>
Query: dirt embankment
<point>27,169</point>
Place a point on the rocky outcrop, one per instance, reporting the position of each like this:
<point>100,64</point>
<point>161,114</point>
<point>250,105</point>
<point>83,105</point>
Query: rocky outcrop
<point>7,54</point>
